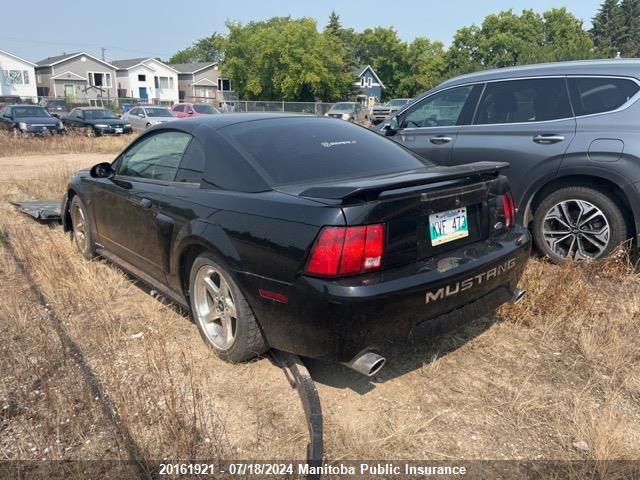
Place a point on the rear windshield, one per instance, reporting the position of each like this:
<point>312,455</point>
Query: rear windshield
<point>347,107</point>
<point>304,150</point>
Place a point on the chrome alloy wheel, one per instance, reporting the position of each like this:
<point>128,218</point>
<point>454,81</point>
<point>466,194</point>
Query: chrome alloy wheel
<point>215,308</point>
<point>576,228</point>
<point>79,227</point>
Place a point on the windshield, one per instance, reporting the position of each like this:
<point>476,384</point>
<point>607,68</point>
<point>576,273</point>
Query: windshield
<point>99,114</point>
<point>303,150</point>
<point>204,108</point>
<point>23,112</point>
<point>158,112</point>
<point>344,107</point>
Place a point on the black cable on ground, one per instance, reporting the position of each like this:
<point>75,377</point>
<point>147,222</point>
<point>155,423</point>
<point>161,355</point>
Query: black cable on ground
<point>300,379</point>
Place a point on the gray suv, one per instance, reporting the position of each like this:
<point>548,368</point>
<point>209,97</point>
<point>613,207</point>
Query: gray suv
<point>571,132</point>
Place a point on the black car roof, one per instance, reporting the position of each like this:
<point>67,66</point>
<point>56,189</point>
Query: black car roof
<point>216,122</point>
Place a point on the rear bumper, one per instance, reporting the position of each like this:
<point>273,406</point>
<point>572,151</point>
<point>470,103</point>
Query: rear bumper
<point>385,311</point>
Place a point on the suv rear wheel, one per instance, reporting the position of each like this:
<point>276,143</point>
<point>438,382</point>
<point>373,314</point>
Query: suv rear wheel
<point>224,318</point>
<point>577,222</point>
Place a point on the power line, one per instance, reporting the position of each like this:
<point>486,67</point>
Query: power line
<point>40,42</point>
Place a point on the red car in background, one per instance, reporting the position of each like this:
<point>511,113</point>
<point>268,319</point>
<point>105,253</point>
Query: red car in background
<point>183,110</point>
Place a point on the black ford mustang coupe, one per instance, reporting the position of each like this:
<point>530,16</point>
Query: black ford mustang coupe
<point>305,234</point>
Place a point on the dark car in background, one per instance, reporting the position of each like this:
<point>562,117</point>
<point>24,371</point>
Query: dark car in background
<point>9,100</point>
<point>382,111</point>
<point>57,108</point>
<point>26,119</point>
<point>96,121</point>
<point>571,132</point>
<point>301,233</point>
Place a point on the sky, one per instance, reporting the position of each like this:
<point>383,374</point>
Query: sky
<point>160,28</point>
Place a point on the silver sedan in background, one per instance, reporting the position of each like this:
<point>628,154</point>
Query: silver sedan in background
<point>141,118</point>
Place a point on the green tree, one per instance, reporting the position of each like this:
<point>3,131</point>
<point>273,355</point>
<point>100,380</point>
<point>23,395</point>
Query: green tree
<point>209,49</point>
<point>608,25</point>
<point>507,39</point>
<point>630,37</point>
<point>285,59</point>
<point>426,67</point>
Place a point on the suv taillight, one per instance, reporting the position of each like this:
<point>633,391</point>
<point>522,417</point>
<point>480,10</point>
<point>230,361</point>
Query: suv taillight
<point>509,210</point>
<point>346,250</point>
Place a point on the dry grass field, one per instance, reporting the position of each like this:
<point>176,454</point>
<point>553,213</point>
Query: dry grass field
<point>556,377</point>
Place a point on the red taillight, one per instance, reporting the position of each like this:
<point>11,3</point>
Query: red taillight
<point>509,209</point>
<point>347,250</point>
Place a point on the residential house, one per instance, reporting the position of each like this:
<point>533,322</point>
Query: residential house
<point>202,82</point>
<point>147,79</point>
<point>78,77</point>
<point>369,85</point>
<point>17,76</point>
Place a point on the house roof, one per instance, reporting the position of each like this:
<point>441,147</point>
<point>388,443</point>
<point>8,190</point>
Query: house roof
<point>51,61</point>
<point>373,72</point>
<point>17,57</point>
<point>191,67</point>
<point>132,62</point>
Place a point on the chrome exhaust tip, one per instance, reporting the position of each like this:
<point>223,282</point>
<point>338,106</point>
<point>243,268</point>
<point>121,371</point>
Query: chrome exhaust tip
<point>367,364</point>
<point>518,295</point>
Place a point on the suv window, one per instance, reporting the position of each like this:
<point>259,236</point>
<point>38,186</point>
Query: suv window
<point>531,100</point>
<point>442,109</point>
<point>155,157</point>
<point>597,95</point>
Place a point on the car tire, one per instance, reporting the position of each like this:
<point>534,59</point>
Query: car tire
<point>583,223</point>
<point>221,312</point>
<point>81,228</point>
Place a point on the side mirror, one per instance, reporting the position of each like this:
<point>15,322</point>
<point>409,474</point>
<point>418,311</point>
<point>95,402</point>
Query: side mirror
<point>141,115</point>
<point>102,170</point>
<point>190,112</point>
<point>391,127</point>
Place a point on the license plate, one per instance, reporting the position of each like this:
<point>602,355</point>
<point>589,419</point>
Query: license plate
<point>119,130</point>
<point>448,226</point>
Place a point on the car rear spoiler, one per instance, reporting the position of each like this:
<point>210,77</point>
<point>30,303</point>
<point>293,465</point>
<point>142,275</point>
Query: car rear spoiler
<point>346,189</point>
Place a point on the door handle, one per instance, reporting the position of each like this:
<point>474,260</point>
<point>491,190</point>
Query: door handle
<point>145,203</point>
<point>545,138</point>
<point>439,140</point>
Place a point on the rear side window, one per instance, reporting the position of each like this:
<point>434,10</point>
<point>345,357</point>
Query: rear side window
<point>517,101</point>
<point>179,108</point>
<point>597,95</point>
<point>192,164</point>
<point>302,150</point>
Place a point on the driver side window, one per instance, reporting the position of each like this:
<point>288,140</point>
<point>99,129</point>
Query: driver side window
<point>156,157</point>
<point>442,109</point>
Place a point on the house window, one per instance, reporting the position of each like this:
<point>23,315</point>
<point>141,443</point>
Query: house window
<point>224,84</point>
<point>15,77</point>
<point>163,82</point>
<point>369,82</point>
<point>362,82</point>
<point>99,79</point>
<point>142,78</point>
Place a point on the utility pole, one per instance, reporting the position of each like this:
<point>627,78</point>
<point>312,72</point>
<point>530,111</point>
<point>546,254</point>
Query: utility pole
<point>103,50</point>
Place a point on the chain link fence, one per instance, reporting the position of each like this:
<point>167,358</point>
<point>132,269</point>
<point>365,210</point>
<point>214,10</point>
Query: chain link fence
<point>239,106</point>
